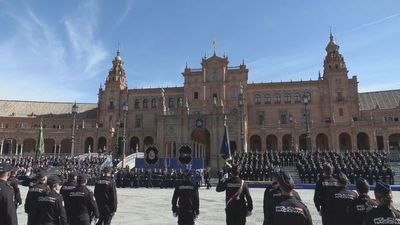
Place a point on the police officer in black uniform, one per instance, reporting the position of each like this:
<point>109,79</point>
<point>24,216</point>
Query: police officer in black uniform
<point>105,193</point>
<point>12,181</point>
<point>40,189</point>
<point>270,194</point>
<point>340,202</point>
<point>237,197</point>
<point>384,213</point>
<point>363,203</point>
<point>8,215</point>
<point>83,206</point>
<point>67,187</point>
<point>287,209</point>
<point>323,189</point>
<point>185,201</point>
<point>50,210</point>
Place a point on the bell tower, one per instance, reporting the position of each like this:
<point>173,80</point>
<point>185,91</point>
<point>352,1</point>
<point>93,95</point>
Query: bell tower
<point>334,61</point>
<point>113,95</point>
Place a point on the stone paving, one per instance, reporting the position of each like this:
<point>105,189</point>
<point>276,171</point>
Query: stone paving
<point>153,206</point>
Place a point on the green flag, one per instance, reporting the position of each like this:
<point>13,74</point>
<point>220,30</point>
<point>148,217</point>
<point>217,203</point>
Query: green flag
<point>40,141</point>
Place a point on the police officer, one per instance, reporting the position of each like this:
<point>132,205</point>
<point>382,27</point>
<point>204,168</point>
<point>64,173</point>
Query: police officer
<point>67,187</point>
<point>384,213</point>
<point>238,200</point>
<point>8,215</point>
<point>12,181</point>
<point>323,189</point>
<point>270,194</point>
<point>50,210</point>
<point>185,201</point>
<point>287,209</point>
<point>83,206</point>
<point>40,189</point>
<point>363,203</point>
<point>106,196</point>
<point>340,202</point>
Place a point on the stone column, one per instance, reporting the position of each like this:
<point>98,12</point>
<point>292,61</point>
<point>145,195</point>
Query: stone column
<point>1,147</point>
<point>22,148</point>
<point>16,149</point>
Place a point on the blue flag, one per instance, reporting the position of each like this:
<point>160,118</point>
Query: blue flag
<point>225,151</point>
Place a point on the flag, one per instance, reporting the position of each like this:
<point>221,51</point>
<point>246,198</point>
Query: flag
<point>107,163</point>
<point>225,151</point>
<point>40,141</point>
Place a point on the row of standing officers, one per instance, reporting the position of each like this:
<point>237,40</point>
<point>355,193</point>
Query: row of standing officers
<point>75,205</point>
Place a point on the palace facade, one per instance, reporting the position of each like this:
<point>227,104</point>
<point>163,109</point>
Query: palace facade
<point>259,116</point>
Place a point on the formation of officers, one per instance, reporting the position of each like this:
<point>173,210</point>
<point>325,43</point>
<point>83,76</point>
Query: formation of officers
<point>75,205</point>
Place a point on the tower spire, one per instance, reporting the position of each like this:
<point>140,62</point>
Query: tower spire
<point>118,49</point>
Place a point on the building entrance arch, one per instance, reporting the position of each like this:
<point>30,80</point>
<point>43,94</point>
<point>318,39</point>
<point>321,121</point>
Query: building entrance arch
<point>201,142</point>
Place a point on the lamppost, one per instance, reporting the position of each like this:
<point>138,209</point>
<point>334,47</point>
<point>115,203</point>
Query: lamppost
<point>125,111</point>
<point>291,133</point>
<point>240,104</point>
<point>74,113</point>
<point>308,137</point>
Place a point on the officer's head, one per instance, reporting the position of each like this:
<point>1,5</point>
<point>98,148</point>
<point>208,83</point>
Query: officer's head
<point>187,175</point>
<point>72,177</point>
<point>235,171</point>
<point>41,175</point>
<point>5,169</point>
<point>342,180</point>
<point>327,169</point>
<point>383,194</point>
<point>275,178</point>
<point>81,179</point>
<point>285,181</point>
<point>13,171</point>
<point>54,183</point>
<point>107,171</point>
<point>362,186</point>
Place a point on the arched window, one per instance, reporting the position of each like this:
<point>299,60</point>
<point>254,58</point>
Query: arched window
<point>153,103</point>
<point>180,102</point>
<point>257,99</point>
<point>288,98</point>
<point>171,103</point>
<point>277,99</point>
<point>145,104</point>
<point>267,99</point>
<point>297,98</point>
<point>137,104</point>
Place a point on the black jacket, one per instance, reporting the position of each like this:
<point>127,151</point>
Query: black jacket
<point>8,215</point>
<point>50,210</point>
<point>34,193</point>
<point>185,198</point>
<point>361,205</point>
<point>82,206</point>
<point>323,189</point>
<point>339,205</point>
<point>64,191</point>
<point>382,215</point>
<point>287,210</point>
<point>12,181</point>
<point>235,202</point>
<point>105,193</point>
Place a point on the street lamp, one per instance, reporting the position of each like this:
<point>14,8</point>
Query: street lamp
<point>125,111</point>
<point>74,113</point>
<point>240,104</point>
<point>291,133</point>
<point>306,98</point>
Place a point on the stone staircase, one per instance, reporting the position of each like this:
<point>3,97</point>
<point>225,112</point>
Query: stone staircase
<point>292,170</point>
<point>396,168</point>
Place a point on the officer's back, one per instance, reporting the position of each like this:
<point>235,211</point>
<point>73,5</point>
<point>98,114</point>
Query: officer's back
<point>12,181</point>
<point>50,210</point>
<point>323,189</point>
<point>38,190</point>
<point>8,215</point>
<point>384,213</point>
<point>83,205</point>
<point>363,203</point>
<point>67,187</point>
<point>106,194</point>
<point>340,202</point>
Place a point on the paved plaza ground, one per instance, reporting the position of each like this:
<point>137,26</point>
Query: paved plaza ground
<point>153,206</point>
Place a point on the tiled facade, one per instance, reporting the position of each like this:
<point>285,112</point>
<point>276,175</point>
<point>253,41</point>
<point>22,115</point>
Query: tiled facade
<point>271,114</point>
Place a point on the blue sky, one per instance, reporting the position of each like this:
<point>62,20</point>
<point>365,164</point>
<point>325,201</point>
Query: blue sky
<point>62,50</point>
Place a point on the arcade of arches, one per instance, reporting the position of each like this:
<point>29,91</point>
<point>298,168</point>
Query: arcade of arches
<point>201,144</point>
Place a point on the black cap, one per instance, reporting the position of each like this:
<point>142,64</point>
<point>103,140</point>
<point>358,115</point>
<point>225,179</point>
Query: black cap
<point>235,170</point>
<point>5,167</point>
<point>81,178</point>
<point>107,169</point>
<point>342,178</point>
<point>41,173</point>
<point>72,175</point>
<point>285,181</point>
<point>362,185</point>
<point>382,188</point>
<point>53,180</point>
<point>14,169</point>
